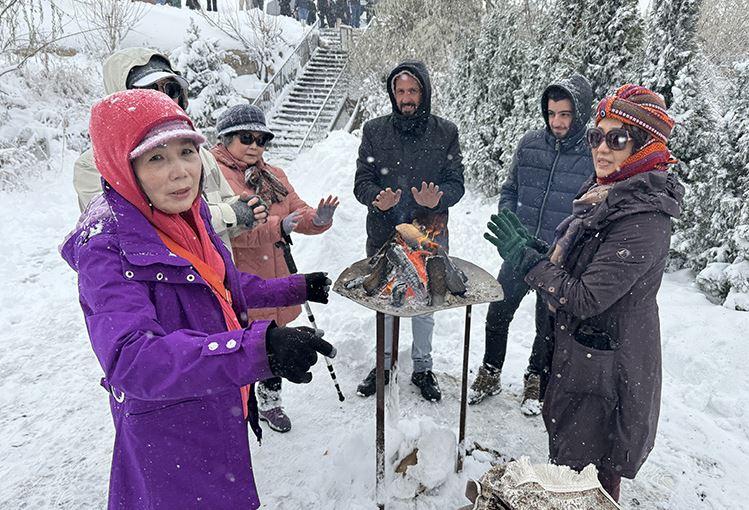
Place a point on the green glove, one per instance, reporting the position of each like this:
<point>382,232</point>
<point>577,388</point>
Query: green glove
<point>530,241</point>
<point>510,243</point>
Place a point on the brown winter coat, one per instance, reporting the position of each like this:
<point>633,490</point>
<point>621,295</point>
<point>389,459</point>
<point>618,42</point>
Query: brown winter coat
<point>255,251</point>
<point>601,405</point>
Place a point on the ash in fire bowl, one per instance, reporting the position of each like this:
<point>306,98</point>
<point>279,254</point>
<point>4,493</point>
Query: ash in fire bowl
<point>412,275</point>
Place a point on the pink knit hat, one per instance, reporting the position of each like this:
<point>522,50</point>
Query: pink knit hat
<point>165,132</point>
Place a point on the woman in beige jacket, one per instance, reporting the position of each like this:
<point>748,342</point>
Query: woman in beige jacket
<point>243,134</point>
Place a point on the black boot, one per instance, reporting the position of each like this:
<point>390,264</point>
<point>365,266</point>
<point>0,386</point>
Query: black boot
<point>427,383</point>
<point>369,385</point>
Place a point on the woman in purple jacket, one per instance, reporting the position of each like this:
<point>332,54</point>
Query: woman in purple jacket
<point>165,310</point>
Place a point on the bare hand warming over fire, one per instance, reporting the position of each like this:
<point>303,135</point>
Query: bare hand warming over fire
<point>428,196</point>
<point>386,199</point>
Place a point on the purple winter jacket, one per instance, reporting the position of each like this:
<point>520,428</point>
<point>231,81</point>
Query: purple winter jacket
<point>172,368</point>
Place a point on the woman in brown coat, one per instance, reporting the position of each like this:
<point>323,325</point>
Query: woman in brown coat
<point>243,135</point>
<point>601,279</point>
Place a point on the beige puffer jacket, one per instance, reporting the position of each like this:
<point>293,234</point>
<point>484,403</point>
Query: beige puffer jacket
<point>217,192</point>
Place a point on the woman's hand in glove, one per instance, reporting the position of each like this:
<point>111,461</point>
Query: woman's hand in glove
<point>250,210</point>
<point>509,242</point>
<point>325,210</point>
<point>293,351</point>
<point>530,241</point>
<point>318,287</point>
<point>289,223</point>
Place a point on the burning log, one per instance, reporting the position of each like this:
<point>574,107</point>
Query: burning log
<point>407,272</point>
<point>411,266</point>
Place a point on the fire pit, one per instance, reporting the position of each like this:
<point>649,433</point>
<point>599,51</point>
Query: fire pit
<point>413,275</point>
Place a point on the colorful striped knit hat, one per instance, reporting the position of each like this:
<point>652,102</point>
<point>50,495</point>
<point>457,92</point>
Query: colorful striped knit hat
<point>637,106</point>
<point>643,108</point>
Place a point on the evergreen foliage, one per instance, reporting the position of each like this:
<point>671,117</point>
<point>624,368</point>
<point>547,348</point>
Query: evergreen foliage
<point>201,62</point>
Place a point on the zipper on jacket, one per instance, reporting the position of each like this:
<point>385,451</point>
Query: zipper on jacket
<point>558,147</point>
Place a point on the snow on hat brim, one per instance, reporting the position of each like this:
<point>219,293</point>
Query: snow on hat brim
<point>164,133</point>
<point>155,76</point>
<point>260,128</point>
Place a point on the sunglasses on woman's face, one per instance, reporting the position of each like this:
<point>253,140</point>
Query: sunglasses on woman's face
<point>169,87</point>
<point>248,139</point>
<point>616,139</point>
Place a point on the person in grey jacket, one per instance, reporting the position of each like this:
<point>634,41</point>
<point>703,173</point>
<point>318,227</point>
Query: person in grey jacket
<point>132,68</point>
<point>600,280</point>
<point>547,170</point>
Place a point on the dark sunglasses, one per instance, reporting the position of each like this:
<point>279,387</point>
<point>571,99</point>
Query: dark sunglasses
<point>616,139</point>
<point>248,139</point>
<point>169,87</point>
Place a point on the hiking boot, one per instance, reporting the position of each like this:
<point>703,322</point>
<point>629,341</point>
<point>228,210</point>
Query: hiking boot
<point>270,410</point>
<point>368,386</point>
<point>488,382</point>
<point>531,405</point>
<point>427,383</point>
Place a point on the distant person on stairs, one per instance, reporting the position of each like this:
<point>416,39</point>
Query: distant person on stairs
<point>243,136</point>
<point>409,168</point>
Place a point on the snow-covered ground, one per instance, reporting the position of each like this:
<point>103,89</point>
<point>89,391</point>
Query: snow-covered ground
<point>56,433</point>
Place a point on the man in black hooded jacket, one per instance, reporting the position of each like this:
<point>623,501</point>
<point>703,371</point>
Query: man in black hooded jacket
<point>409,168</point>
<point>547,170</point>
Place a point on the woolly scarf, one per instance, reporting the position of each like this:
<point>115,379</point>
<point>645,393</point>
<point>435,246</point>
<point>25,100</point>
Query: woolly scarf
<point>653,156</point>
<point>572,227</point>
<point>258,176</point>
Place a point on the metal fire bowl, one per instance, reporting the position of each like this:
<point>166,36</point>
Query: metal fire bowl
<point>481,288</point>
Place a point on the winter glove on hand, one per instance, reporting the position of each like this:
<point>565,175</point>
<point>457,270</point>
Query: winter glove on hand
<point>293,351</point>
<point>318,286</point>
<point>289,223</point>
<point>325,210</point>
<point>510,243</point>
<point>530,241</point>
<point>249,209</point>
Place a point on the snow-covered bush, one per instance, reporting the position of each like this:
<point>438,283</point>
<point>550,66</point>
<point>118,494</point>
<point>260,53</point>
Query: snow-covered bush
<point>201,61</point>
<point>43,111</point>
<point>27,29</point>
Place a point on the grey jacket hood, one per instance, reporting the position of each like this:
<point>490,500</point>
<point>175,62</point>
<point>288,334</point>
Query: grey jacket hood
<point>578,88</point>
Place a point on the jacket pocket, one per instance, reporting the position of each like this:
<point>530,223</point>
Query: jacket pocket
<point>590,371</point>
<point>147,410</point>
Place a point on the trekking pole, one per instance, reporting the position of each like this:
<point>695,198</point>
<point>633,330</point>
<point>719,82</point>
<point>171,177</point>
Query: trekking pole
<point>285,245</point>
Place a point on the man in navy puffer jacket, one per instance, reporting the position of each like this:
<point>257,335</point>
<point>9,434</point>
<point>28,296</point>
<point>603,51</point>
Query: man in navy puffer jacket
<point>547,170</point>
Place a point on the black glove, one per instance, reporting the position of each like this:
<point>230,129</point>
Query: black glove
<point>293,351</point>
<point>318,286</point>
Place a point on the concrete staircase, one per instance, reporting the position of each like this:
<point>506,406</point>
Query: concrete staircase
<point>313,96</point>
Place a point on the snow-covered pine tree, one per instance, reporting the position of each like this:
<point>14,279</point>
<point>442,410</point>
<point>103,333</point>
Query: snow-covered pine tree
<point>609,48</point>
<point>716,239</point>
<point>486,92</point>
<point>670,43</point>
<point>201,62</point>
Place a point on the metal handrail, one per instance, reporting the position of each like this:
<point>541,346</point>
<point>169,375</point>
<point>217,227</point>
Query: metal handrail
<point>289,69</point>
<point>327,98</point>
